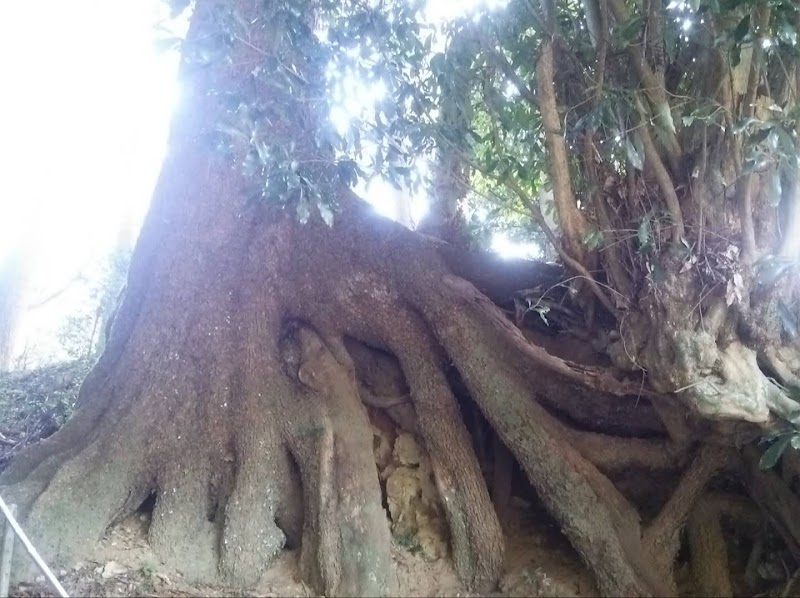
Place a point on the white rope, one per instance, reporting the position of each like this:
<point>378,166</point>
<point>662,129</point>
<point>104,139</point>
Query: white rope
<point>31,550</point>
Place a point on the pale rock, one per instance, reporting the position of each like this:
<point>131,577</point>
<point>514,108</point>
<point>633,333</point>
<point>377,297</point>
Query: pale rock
<point>112,569</point>
<point>406,450</point>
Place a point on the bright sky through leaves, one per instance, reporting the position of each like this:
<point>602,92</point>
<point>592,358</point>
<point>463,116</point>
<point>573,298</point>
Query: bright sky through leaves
<point>85,115</point>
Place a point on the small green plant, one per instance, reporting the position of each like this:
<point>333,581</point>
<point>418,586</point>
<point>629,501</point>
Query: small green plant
<point>148,568</point>
<point>784,435</point>
<point>408,540</point>
<point>779,440</point>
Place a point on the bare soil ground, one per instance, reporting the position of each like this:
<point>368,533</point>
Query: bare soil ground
<point>539,562</point>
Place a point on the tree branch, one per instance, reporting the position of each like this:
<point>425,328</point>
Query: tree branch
<point>538,217</point>
<point>662,175</point>
<point>775,499</point>
<point>602,51</point>
<point>502,63</point>
<point>744,187</point>
<point>619,276</point>
<point>594,20</point>
<point>790,247</point>
<point>653,89</point>
<point>571,220</point>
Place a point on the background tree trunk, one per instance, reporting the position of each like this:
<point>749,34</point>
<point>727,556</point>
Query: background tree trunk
<point>12,288</point>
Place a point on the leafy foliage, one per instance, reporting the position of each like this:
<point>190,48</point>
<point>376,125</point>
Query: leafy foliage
<point>83,332</point>
<point>783,436</point>
<point>34,404</point>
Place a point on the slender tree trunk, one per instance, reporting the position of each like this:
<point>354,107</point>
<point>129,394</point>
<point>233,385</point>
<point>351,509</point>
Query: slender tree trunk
<point>12,286</point>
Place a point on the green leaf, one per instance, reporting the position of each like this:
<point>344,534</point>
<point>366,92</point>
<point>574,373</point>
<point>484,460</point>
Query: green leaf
<point>742,29</point>
<point>633,155</point>
<point>787,33</point>
<point>303,211</point>
<point>760,136</point>
<point>438,63</point>
<point>774,452</point>
<point>744,125</point>
<point>326,213</point>
<point>771,268</point>
<point>664,118</point>
<point>774,189</point>
<point>645,232</point>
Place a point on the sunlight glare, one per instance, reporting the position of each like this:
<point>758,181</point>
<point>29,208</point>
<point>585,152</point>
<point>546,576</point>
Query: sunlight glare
<point>85,116</point>
<point>437,11</point>
<point>508,248</point>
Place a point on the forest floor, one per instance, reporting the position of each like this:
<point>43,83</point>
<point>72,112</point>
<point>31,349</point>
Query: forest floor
<point>539,562</point>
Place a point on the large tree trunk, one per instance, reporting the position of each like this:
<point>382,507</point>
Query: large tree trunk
<point>226,388</point>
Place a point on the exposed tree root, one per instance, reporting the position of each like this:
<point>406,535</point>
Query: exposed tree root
<point>707,547</point>
<point>502,472</point>
<point>610,453</point>
<point>709,554</point>
<point>252,444</point>
<point>345,546</point>
<point>662,536</point>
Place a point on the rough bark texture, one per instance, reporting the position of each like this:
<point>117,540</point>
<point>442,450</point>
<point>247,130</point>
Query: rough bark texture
<point>229,389</point>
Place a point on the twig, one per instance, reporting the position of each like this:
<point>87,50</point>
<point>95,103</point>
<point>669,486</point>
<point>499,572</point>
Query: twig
<point>507,69</point>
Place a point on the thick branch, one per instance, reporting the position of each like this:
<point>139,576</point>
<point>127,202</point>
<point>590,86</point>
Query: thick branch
<point>571,220</point>
<point>790,247</point>
<point>618,275</point>
<point>596,518</point>
<point>662,536</point>
<point>653,88</point>
<point>602,50</point>
<point>708,552</point>
<point>594,17</point>
<point>662,176</point>
<point>496,277</point>
<point>744,187</point>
